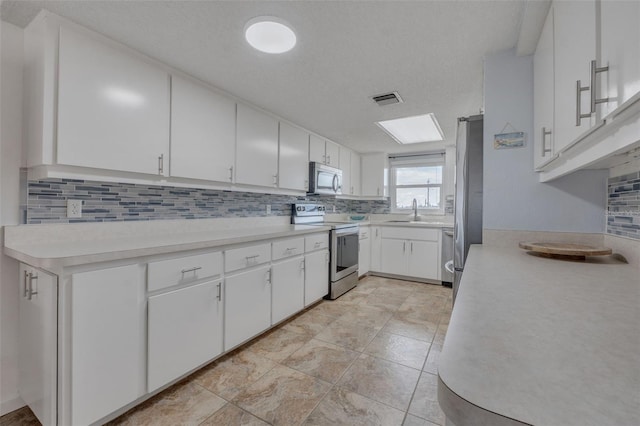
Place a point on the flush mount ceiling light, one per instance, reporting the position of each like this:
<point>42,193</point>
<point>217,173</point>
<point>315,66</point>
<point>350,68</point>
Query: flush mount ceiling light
<point>269,34</point>
<point>415,129</point>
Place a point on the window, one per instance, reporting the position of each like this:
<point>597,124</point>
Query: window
<point>420,178</point>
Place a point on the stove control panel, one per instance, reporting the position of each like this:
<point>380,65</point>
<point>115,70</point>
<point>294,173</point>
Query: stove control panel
<point>308,209</point>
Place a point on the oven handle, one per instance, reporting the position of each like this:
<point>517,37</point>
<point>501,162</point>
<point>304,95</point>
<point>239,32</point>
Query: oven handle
<point>347,231</point>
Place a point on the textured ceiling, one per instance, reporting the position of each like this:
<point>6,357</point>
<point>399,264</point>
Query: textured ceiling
<point>431,52</point>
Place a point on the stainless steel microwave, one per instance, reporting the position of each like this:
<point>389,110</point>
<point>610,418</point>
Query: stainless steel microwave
<point>324,179</point>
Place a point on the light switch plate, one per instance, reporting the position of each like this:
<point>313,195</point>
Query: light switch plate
<point>268,208</point>
<point>74,208</point>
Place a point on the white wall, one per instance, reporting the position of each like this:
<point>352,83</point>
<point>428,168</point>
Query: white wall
<point>514,199</point>
<point>10,160</point>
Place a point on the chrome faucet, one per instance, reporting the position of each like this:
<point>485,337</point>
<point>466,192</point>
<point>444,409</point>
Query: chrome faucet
<point>415,209</point>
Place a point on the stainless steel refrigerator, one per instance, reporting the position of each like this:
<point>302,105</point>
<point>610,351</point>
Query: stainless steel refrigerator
<point>468,202</point>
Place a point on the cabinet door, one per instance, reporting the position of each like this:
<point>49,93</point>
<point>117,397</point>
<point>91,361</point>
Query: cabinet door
<point>345,166</point>
<point>185,331</point>
<point>424,259</point>
<point>203,132</point>
<point>376,241</point>
<point>37,347</point>
<point>574,31</point>
<point>543,94</point>
<point>247,305</point>
<point>332,152</point>
<point>316,276</point>
<point>374,175</point>
<point>364,259</point>
<point>620,50</point>
<point>316,149</point>
<point>293,165</point>
<point>287,288</point>
<point>108,341</point>
<point>355,174</point>
<point>113,108</point>
<point>257,148</point>
<point>393,256</point>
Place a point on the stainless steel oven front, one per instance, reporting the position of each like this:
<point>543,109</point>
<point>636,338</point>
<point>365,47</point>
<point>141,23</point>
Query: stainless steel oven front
<point>345,247</point>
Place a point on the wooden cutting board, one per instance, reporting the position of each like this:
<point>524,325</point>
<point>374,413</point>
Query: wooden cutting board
<point>565,250</point>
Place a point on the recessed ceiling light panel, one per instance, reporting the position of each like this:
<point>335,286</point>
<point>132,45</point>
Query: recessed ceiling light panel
<point>415,129</point>
<point>269,34</point>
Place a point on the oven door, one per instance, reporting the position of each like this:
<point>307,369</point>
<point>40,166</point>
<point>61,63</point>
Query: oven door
<point>345,246</point>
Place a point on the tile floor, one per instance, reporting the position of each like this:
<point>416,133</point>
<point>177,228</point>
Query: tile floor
<point>368,358</point>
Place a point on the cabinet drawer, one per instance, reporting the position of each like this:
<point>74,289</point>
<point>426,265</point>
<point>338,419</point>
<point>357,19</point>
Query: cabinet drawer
<point>413,233</point>
<point>316,242</point>
<point>166,273</point>
<point>364,233</point>
<point>245,257</point>
<point>287,248</point>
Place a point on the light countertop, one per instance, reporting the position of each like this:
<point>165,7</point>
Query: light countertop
<point>542,341</point>
<point>53,254</point>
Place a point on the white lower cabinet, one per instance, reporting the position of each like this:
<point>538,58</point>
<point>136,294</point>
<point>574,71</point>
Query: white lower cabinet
<point>287,288</point>
<point>247,305</point>
<point>108,342</point>
<point>37,348</point>
<point>316,277</point>
<point>185,331</point>
<point>421,255</point>
<point>411,252</point>
<point>376,240</point>
<point>394,258</point>
<point>364,254</point>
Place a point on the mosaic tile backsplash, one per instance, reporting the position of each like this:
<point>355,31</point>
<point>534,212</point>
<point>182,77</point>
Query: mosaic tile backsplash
<point>106,202</point>
<point>623,206</point>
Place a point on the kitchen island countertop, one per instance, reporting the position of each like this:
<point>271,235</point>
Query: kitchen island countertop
<point>542,341</point>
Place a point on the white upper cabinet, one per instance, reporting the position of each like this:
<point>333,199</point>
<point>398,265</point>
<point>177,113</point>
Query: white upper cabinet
<point>256,148</point>
<point>574,49</point>
<point>316,149</point>
<point>345,166</point>
<point>293,164</point>
<point>620,51</point>
<point>375,169</point>
<point>332,151</point>
<point>324,151</point>
<point>355,173</point>
<point>203,132</point>
<point>113,108</point>
<point>543,94</point>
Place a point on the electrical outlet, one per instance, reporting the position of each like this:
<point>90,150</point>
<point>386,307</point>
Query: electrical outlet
<point>334,209</point>
<point>268,208</point>
<point>74,208</point>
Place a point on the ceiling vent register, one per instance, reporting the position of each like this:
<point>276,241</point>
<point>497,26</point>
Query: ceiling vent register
<point>388,99</point>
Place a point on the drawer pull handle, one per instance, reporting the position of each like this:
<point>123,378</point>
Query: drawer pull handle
<point>252,259</point>
<point>184,271</point>
<point>317,244</point>
<point>26,285</point>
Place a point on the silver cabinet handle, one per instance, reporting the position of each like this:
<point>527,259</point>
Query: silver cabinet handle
<point>302,266</point>
<point>306,184</point>
<point>195,268</point>
<point>275,179</point>
<point>352,190</point>
<point>252,259</point>
<point>448,234</point>
<point>411,246</point>
<point>219,291</point>
<point>291,248</point>
<point>328,159</point>
<point>377,229</point>
<point>269,276</point>
<point>594,93</point>
<point>26,284</point>
<point>324,158</point>
<point>377,191</point>
<point>579,114</point>
<point>161,164</point>
<point>31,278</point>
<point>404,247</point>
<point>231,174</point>
<point>317,244</point>
<point>545,133</point>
